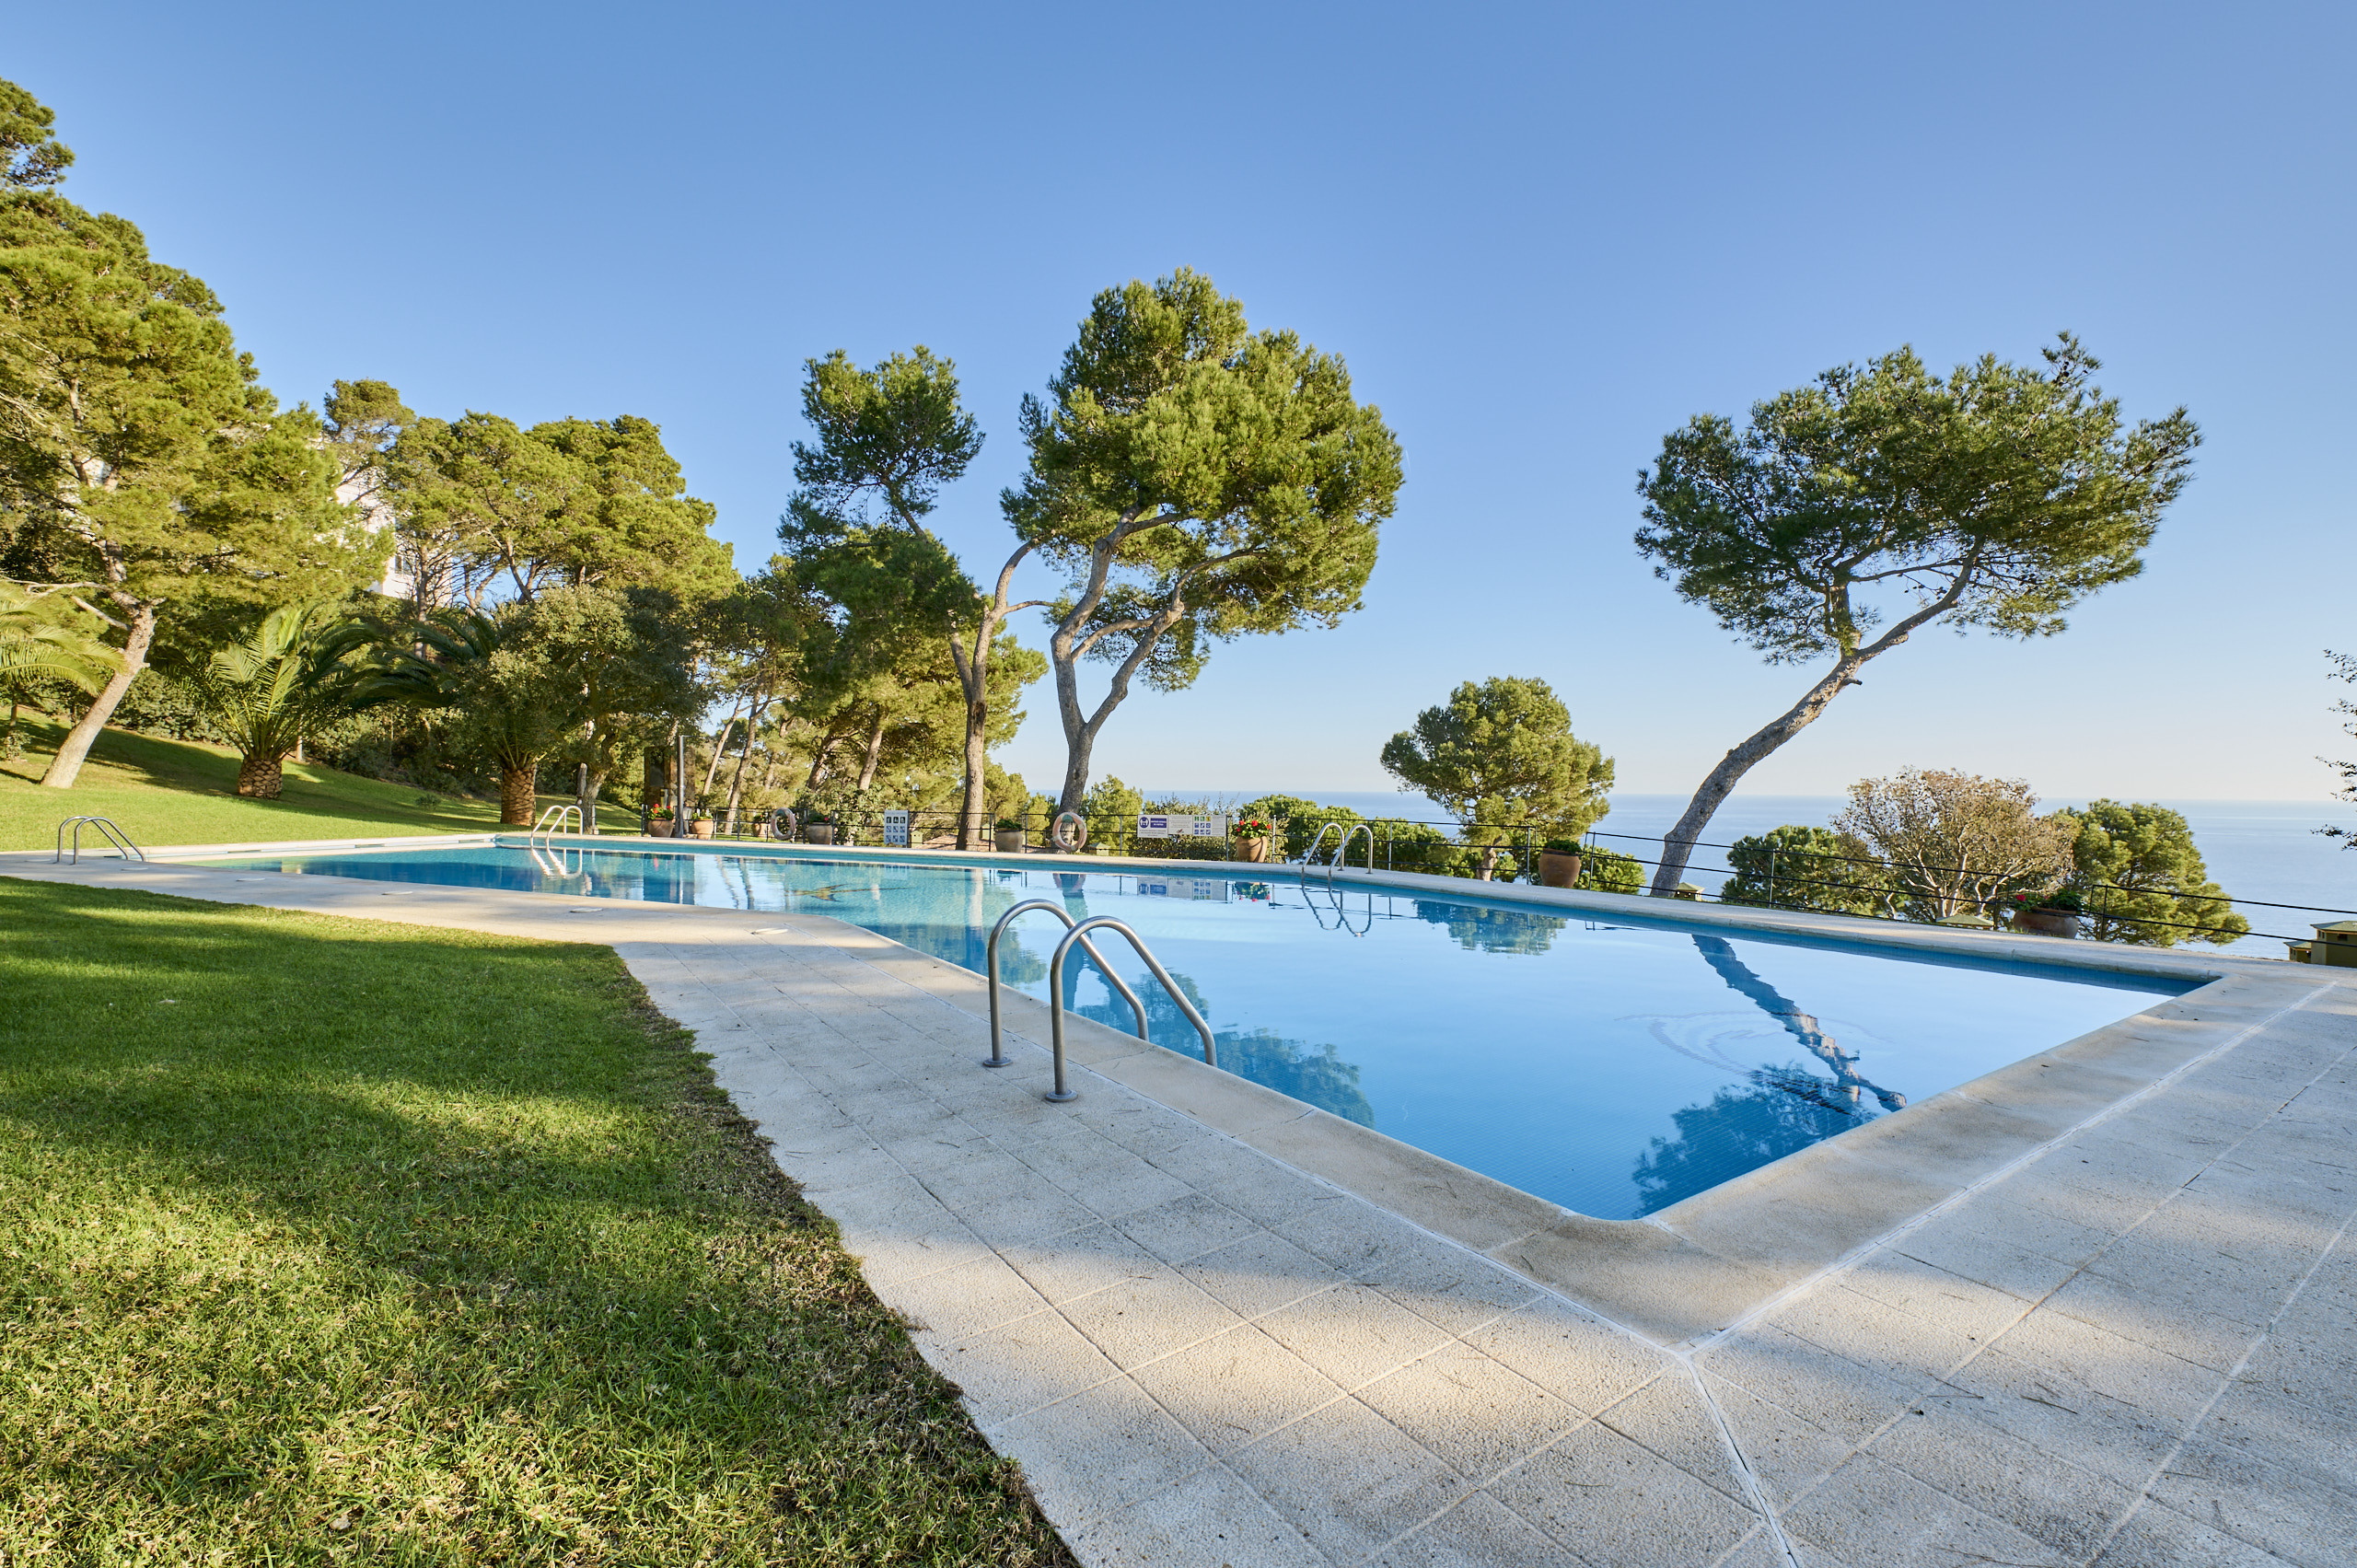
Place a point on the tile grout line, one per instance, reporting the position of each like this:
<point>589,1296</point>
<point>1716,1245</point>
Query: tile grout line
<point>2233,1375</point>
<point>1941,1380</point>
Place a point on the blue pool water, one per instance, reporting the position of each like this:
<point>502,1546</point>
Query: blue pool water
<point>1613,1067</point>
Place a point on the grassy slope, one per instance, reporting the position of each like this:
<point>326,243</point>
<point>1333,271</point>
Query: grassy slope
<point>333,1240</point>
<point>175,791</point>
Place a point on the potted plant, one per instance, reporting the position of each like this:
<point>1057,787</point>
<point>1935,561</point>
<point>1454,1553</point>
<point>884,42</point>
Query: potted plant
<point>1251,832</point>
<point>2056,914</point>
<point>700,824</point>
<point>658,819</point>
<point>1007,832</point>
<point>1559,863</point>
<point>817,827</point>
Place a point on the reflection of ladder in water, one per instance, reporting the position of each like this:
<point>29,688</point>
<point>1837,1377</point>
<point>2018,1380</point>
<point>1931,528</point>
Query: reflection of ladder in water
<point>541,839</point>
<point>107,830</point>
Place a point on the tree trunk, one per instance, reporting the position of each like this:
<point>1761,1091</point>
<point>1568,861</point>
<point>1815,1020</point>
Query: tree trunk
<point>518,794</point>
<point>1678,848</point>
<point>66,766</point>
<point>736,775</point>
<point>260,776</point>
<point>874,750</point>
<point>720,744</point>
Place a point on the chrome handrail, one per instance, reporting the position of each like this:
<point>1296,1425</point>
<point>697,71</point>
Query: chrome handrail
<point>1342,850</point>
<point>540,830</point>
<point>1310,855</point>
<point>1056,995</point>
<point>107,830</point>
<point>997,1058</point>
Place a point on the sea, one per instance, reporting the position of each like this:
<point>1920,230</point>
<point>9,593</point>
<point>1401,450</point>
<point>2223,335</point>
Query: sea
<point>2262,853</point>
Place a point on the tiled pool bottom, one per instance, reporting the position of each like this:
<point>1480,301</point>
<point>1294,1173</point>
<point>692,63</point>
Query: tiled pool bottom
<point>1611,1067</point>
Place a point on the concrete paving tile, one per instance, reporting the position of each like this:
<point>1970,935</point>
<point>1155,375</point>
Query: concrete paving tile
<point>1471,1413</point>
<point>2298,1518</point>
<point>1017,1368</point>
<point>2058,1414</point>
<point>1909,1350</point>
<point>1187,1226</point>
<point>1235,1388</point>
<point>2303,1366</point>
<point>1639,1276</point>
<point>1352,1334</point>
<point>1830,1392</point>
<point>2070,1510</point>
<point>1140,1125</point>
<point>1669,1417</point>
<point>1612,1502</point>
<point>1480,1532</point>
<point>1148,1316</point>
<point>2168,1387</point>
<point>1124,1187</point>
<point>1969,1240</point>
<point>1212,1517</point>
<point>1446,1285</point>
<point>1347,1478</point>
<point>1259,1275</point>
<point>1867,1512</point>
<point>1098,1451</point>
<point>962,1300</point>
<point>896,1203</point>
<point>1581,1361</point>
<point>1785,1454</point>
<point>2174,1315</point>
<point>2154,1537</point>
<point>2112,1211</point>
<point>862,1165</point>
<point>1008,1219</point>
<point>1080,1262</point>
<point>2316,1442</point>
<point>1976,1311</point>
<point>1349,1233</point>
<point>1254,1186</point>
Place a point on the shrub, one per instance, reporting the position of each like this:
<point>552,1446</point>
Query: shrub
<point>1798,867</point>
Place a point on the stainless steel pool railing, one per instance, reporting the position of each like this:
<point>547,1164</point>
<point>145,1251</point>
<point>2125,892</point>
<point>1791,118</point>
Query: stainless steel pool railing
<point>1079,934</point>
<point>107,830</point>
<point>1342,849</point>
<point>542,831</point>
<point>997,1058</point>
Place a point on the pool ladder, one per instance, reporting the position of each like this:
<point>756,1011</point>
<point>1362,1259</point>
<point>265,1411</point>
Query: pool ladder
<point>1340,849</point>
<point>107,830</point>
<point>1077,936</point>
<point>541,839</point>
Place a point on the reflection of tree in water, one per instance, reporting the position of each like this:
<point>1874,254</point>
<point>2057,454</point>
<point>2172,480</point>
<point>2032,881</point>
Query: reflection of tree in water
<point>1739,1130</point>
<point>1315,1074</point>
<point>1493,930</point>
<point>1784,1110</point>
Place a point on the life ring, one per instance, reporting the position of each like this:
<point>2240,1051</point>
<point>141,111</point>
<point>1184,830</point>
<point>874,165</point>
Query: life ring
<point>786,825</point>
<point>1070,832</point>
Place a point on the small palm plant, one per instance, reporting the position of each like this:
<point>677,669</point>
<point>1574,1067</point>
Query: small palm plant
<point>299,672</point>
<point>36,647</point>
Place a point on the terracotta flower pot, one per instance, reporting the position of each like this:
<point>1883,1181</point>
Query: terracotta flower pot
<point>1254,849</point>
<point>700,827</point>
<point>1009,839</point>
<point>822,833</point>
<point>658,828</point>
<point>1556,869</point>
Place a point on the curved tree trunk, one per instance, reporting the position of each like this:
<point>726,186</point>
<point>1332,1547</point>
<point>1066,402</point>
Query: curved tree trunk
<point>261,775</point>
<point>518,788</point>
<point>66,766</point>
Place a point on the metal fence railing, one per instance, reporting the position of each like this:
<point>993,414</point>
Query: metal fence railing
<point>1776,877</point>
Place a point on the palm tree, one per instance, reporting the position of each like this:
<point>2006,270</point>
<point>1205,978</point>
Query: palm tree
<point>36,647</point>
<point>297,673</point>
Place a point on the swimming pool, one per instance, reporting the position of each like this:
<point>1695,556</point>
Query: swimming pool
<point>1611,1066</point>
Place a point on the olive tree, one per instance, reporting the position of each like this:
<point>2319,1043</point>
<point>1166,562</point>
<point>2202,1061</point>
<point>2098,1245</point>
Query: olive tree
<point>1851,513</point>
<point>1953,842</point>
<point>1201,482</point>
<point>1500,758</point>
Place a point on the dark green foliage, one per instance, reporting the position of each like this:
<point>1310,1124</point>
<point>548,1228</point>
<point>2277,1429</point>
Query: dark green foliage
<point>1500,758</point>
<point>1806,868</point>
<point>2142,880</point>
<point>1608,871</point>
<point>31,158</point>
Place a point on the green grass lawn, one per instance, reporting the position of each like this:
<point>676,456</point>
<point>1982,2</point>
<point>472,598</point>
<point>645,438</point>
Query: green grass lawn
<point>177,791</point>
<point>333,1240</point>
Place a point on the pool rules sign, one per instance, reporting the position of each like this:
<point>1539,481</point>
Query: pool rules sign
<point>1162,825</point>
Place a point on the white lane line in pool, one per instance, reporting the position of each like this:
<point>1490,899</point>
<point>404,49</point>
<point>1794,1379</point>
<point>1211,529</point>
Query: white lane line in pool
<point>1908,1227</point>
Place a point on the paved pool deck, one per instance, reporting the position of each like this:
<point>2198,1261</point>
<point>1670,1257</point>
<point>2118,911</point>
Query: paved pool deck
<point>2100,1307</point>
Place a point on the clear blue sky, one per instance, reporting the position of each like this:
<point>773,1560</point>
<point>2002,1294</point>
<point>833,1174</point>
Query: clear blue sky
<point>1541,237</point>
